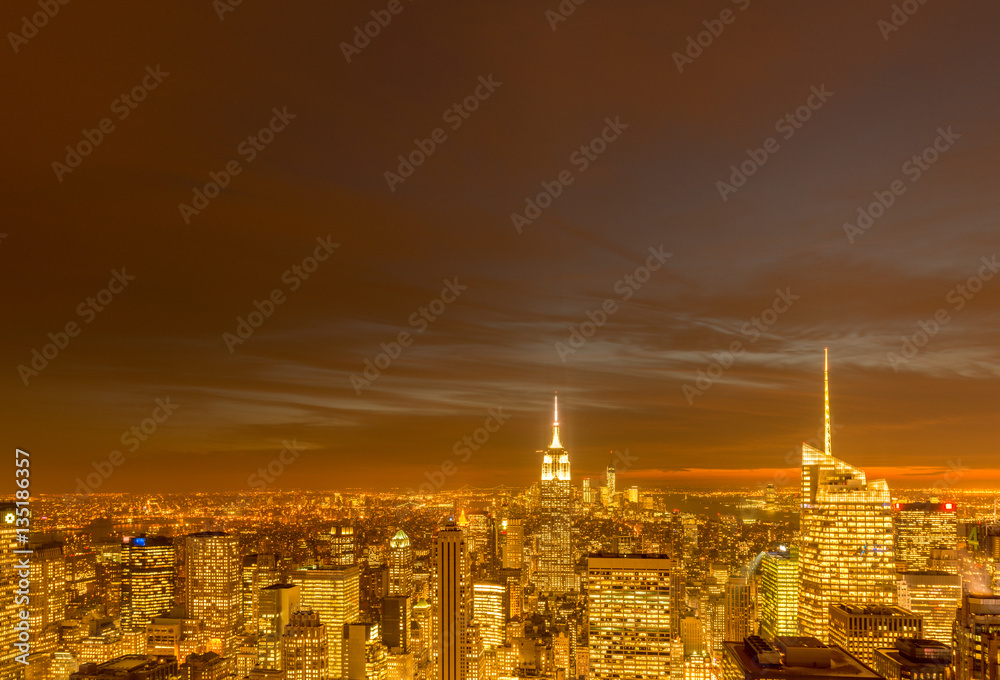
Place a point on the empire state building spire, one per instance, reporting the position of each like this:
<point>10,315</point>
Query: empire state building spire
<point>556,444</point>
<point>826,403</point>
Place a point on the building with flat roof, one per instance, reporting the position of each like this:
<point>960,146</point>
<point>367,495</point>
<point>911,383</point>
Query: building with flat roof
<point>129,667</point>
<point>915,659</point>
<point>861,629</point>
<point>790,658</point>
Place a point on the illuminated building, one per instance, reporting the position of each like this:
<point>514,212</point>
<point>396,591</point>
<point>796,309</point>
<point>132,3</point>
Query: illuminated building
<point>846,546</point>
<point>212,587</point>
<point>609,480</point>
<point>259,571</point>
<point>692,635</point>
<point>628,616</point>
<point>633,494</point>
<point>207,666</point>
<point>513,594</point>
<point>333,593</point>
<point>513,544</point>
<point>934,595</point>
<point>453,600</point>
<point>46,606</point>
<point>921,528</point>
<point>277,604</point>
<point>488,608</point>
<point>791,658</point>
<point>779,596</point>
<point>366,657</point>
<point>678,595</point>
<point>137,666</point>
<point>147,565</point>
<point>586,492</point>
<point>10,669</point>
<point>977,638</point>
<point>108,570</point>
<point>698,666</point>
<point>555,561</point>
<point>913,659</point>
<point>400,565</point>
<point>739,608</point>
<point>342,546</point>
<point>304,647</point>
<point>861,629</point>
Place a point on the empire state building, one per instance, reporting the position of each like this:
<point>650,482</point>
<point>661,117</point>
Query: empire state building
<point>555,562</point>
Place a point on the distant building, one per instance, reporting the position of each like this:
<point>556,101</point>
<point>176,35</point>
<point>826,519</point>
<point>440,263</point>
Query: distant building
<point>400,565</point>
<point>304,648</point>
<point>861,629</point>
<point>212,587</point>
<point>147,580</point>
<point>334,594</point>
<point>936,596</point>
<point>920,528</point>
<point>278,603</point>
<point>977,638</point>
<point>739,608</point>
<point>914,659</point>
<point>488,609</point>
<point>131,667</point>
<point>779,594</point>
<point>556,572</point>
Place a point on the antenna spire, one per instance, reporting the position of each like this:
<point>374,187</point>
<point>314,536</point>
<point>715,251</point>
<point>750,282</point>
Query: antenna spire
<point>826,402</point>
<point>556,444</point>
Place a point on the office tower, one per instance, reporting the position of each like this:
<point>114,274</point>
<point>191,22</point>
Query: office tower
<point>912,659</point>
<point>212,587</point>
<point>977,638</point>
<point>585,492</point>
<point>512,529</point>
<point>259,572</point>
<point>46,606</point>
<point>791,658</point>
<point>488,609</point>
<point>921,528</point>
<point>147,564</point>
<point>304,648</point>
<point>333,593</point>
<point>633,494</point>
<point>628,616</point>
<point>513,596</point>
<point>678,595</point>
<point>861,629</point>
<point>365,657</point>
<point>400,565</point>
<point>713,619</point>
<point>846,547</point>
<point>779,594</point>
<point>342,546</point>
<point>693,635</point>
<point>10,669</point>
<point>109,575</point>
<point>935,596</point>
<point>555,560</point>
<point>609,480</point>
<point>277,604</point>
<point>739,608</point>
<point>396,623</point>
<point>478,532</point>
<point>453,599</point>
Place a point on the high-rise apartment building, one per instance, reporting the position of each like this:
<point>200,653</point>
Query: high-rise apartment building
<point>628,616</point>
<point>212,587</point>
<point>846,546</point>
<point>147,564</point>
<point>400,564</point>
<point>556,572</point>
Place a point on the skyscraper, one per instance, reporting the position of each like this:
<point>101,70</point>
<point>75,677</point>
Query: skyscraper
<point>512,529</point>
<point>846,552</point>
<point>277,604</point>
<point>739,608</point>
<point>304,648</point>
<point>147,580</point>
<point>628,616</point>
<point>259,571</point>
<point>934,595</point>
<point>212,587</point>
<point>453,604</point>
<point>921,528</point>
<point>488,606</point>
<point>977,638</point>
<point>342,546</point>
<point>779,597</point>
<point>333,593</point>
<point>555,560</point>
<point>10,669</point>
<point>861,629</point>
<point>400,565</point>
